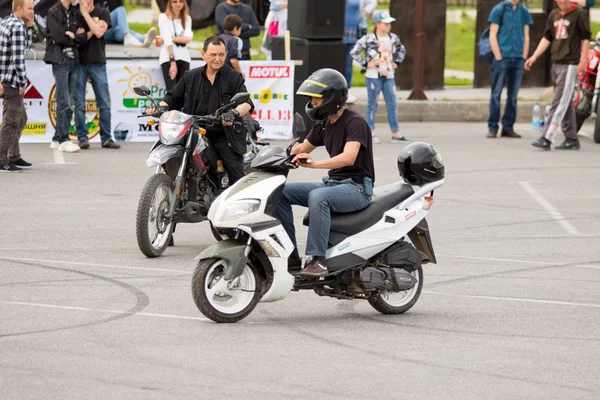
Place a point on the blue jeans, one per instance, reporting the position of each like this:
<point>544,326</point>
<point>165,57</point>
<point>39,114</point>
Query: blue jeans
<point>374,87</point>
<point>64,75</point>
<point>120,26</point>
<point>97,74</point>
<point>321,199</point>
<point>511,71</point>
<point>348,71</point>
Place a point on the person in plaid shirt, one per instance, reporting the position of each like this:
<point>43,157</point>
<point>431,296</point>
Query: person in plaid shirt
<point>15,39</point>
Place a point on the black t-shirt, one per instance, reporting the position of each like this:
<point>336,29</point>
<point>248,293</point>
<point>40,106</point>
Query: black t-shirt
<point>210,100</point>
<point>351,127</point>
<point>94,50</point>
<point>111,4</point>
<point>566,33</point>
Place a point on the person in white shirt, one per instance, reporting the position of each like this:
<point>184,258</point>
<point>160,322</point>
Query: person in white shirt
<point>175,26</point>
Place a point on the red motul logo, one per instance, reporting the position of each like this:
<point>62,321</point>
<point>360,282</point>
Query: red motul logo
<point>270,72</point>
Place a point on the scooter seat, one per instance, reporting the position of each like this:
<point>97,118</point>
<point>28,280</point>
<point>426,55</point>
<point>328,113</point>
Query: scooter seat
<point>384,198</point>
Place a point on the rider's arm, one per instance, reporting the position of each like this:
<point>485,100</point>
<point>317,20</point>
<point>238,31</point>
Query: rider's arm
<point>304,147</point>
<point>346,159</point>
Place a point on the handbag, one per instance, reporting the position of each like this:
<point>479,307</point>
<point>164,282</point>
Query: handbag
<point>273,28</point>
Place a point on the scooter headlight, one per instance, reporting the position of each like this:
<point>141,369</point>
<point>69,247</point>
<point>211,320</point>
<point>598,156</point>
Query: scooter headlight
<point>238,209</point>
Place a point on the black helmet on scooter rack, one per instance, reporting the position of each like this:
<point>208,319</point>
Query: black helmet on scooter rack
<point>420,163</point>
<point>329,85</point>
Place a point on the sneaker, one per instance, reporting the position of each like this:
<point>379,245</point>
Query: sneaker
<point>395,139</point>
<point>149,37</point>
<point>84,143</point>
<point>54,145</point>
<point>510,134</point>
<point>22,164</point>
<point>111,145</point>
<point>542,143</point>
<point>375,140</point>
<point>68,147</point>
<point>316,267</point>
<point>492,134</point>
<point>132,41</point>
<point>351,98</point>
<point>569,144</point>
<point>9,168</point>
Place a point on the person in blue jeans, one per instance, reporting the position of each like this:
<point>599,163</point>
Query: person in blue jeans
<point>349,184</point>
<point>383,53</point>
<point>93,64</point>
<point>119,31</point>
<point>509,38</point>
<point>355,21</point>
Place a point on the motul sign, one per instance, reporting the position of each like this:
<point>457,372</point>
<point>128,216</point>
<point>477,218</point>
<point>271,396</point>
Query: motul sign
<point>269,72</point>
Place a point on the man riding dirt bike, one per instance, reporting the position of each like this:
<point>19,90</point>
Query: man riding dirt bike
<point>202,91</point>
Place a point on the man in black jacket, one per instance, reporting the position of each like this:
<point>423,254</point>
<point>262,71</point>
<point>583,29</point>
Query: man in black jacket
<point>202,91</point>
<point>65,35</point>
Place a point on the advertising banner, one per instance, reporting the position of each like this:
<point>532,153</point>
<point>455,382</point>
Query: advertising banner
<point>270,84</point>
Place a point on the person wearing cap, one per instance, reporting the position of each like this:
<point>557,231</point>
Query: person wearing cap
<point>383,52</point>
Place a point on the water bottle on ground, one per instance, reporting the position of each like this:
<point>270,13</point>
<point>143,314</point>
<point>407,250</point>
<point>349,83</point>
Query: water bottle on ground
<point>536,119</point>
<point>547,113</point>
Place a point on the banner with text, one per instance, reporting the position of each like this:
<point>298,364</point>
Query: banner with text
<point>270,84</point>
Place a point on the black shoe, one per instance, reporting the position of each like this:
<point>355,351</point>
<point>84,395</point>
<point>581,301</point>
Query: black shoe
<point>111,145</point>
<point>492,134</point>
<point>510,134</point>
<point>20,163</point>
<point>84,143</point>
<point>9,168</point>
<point>316,267</point>
<point>542,143</point>
<point>569,144</point>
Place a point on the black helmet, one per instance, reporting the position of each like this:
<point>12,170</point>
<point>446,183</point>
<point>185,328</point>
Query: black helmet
<point>328,84</point>
<point>419,163</point>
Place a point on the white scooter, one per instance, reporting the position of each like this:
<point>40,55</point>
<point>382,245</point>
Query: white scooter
<point>368,256</point>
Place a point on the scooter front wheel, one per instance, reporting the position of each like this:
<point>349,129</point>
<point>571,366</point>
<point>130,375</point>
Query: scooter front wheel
<point>221,300</point>
<point>398,302</point>
<point>153,227</point>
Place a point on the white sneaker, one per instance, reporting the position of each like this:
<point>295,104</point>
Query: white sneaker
<point>131,41</point>
<point>375,140</point>
<point>351,98</point>
<point>54,145</point>
<point>149,37</point>
<point>68,147</point>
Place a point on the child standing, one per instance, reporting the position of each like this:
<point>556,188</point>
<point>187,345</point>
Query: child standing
<point>383,52</point>
<point>232,27</point>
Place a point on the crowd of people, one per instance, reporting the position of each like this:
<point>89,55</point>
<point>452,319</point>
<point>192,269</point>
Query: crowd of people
<point>78,30</point>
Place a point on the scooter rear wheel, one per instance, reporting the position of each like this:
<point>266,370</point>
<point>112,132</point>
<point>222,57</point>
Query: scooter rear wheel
<point>398,302</point>
<point>222,301</point>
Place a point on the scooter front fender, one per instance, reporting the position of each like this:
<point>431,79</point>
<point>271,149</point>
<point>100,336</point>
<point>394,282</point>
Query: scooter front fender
<point>163,153</point>
<point>230,251</point>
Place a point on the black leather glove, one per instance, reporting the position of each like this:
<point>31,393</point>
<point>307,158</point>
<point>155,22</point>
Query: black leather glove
<point>230,116</point>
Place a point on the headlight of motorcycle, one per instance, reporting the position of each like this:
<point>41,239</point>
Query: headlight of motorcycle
<point>171,131</point>
<point>237,209</point>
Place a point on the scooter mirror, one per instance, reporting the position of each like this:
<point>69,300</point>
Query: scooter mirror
<point>142,90</point>
<point>240,98</point>
<point>299,128</point>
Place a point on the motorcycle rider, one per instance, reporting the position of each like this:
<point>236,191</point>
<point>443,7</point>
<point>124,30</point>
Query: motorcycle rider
<point>201,91</point>
<point>348,186</point>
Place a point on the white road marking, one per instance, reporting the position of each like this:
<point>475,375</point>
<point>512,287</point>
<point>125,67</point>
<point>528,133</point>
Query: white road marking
<point>92,264</point>
<point>513,261</point>
<point>554,213</point>
<point>20,303</point>
<point>562,303</point>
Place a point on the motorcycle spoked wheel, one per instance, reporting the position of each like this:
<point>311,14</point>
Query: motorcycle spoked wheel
<point>153,230</point>
<point>398,302</point>
<point>229,304</point>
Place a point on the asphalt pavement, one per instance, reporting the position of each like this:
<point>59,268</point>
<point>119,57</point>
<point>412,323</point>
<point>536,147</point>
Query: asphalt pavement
<point>510,311</point>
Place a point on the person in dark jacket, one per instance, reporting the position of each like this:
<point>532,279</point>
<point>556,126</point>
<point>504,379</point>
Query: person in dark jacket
<point>202,91</point>
<point>65,35</point>
<point>250,27</point>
